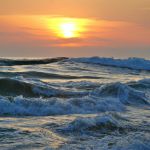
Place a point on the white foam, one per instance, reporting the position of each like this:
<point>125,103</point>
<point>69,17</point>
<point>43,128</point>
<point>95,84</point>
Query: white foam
<point>107,97</point>
<point>58,106</point>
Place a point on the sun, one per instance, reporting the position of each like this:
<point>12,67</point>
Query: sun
<point>68,29</point>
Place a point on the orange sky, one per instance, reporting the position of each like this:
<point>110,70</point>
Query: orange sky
<point>49,28</point>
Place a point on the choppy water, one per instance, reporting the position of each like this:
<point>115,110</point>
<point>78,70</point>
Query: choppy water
<point>75,104</point>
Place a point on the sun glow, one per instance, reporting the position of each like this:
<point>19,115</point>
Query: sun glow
<point>68,27</point>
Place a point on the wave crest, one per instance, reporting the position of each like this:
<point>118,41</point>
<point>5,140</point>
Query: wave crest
<point>123,92</point>
<point>105,123</point>
<point>13,62</point>
<point>41,99</point>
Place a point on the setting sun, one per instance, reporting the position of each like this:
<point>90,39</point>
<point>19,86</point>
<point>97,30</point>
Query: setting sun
<point>68,29</point>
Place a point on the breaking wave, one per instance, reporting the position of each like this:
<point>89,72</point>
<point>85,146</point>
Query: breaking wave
<point>57,106</point>
<point>104,123</point>
<point>28,98</point>
<point>126,94</point>
<point>15,87</point>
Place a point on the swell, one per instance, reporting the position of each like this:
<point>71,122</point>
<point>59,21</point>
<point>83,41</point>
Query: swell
<point>141,84</point>
<point>12,87</point>
<point>104,123</point>
<point>13,62</point>
<point>36,74</point>
<point>130,63</point>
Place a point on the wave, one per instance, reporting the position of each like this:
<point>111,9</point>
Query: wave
<point>13,62</point>
<point>15,87</point>
<point>36,74</point>
<point>57,106</point>
<point>123,92</point>
<point>26,97</point>
<point>112,131</point>
<point>131,63</point>
<point>104,123</point>
<point>88,104</point>
<point>141,84</point>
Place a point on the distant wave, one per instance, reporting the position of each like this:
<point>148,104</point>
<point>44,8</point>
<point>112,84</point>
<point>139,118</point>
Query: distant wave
<point>12,62</point>
<point>38,74</point>
<point>131,63</point>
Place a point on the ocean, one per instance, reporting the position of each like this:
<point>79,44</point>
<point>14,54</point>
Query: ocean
<point>74,104</point>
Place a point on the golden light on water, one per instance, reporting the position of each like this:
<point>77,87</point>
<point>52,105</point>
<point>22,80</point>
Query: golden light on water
<point>68,27</point>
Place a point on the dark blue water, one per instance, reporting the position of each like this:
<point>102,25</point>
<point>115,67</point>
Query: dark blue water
<point>75,103</point>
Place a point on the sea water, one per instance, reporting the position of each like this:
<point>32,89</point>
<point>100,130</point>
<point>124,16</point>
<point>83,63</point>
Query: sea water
<point>75,104</point>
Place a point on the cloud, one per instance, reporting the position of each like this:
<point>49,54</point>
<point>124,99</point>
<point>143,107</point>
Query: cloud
<point>26,35</point>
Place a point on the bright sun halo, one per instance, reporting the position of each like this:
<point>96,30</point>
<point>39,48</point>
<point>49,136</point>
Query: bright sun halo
<point>68,29</point>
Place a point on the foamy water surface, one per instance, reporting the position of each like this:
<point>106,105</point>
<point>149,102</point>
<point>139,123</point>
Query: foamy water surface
<point>75,103</point>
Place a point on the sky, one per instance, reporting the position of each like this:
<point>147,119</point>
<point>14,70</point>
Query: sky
<point>75,28</point>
